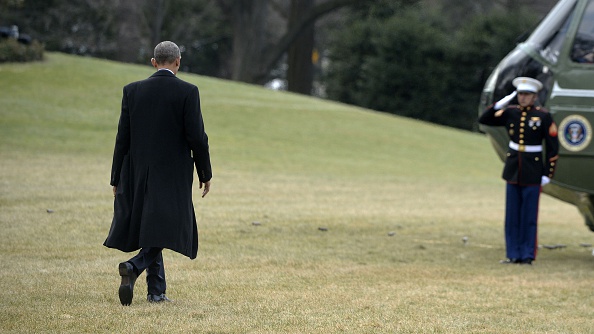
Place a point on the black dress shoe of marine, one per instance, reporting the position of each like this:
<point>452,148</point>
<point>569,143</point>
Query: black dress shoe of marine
<point>157,298</point>
<point>129,277</point>
<point>526,261</point>
<point>509,261</point>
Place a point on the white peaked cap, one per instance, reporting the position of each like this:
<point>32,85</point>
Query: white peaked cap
<point>529,85</point>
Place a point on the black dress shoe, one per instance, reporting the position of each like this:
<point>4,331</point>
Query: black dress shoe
<point>129,277</point>
<point>509,261</point>
<point>526,261</point>
<point>157,298</point>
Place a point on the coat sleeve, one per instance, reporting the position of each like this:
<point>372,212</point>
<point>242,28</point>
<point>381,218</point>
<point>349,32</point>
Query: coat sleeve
<point>122,143</point>
<point>551,145</point>
<point>196,135</point>
<point>492,117</point>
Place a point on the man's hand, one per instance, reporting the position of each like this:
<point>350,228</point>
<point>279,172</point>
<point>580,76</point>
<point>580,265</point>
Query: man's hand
<point>114,190</point>
<point>206,187</point>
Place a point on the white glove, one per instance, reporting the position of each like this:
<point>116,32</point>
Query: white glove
<point>505,101</point>
<point>544,180</point>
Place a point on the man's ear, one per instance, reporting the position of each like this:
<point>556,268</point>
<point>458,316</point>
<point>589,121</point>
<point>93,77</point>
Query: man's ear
<point>154,63</point>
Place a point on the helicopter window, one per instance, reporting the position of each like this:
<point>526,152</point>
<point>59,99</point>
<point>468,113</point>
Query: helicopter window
<point>548,37</point>
<point>583,44</point>
<point>551,46</point>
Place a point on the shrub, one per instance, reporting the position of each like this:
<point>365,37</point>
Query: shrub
<point>13,51</point>
<point>410,63</point>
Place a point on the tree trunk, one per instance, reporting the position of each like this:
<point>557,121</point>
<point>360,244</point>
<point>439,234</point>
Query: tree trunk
<point>300,70</point>
<point>251,63</point>
<point>249,19</point>
<point>157,22</point>
<point>129,39</point>
<point>309,18</point>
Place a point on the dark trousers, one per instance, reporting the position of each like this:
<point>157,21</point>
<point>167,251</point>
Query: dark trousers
<point>151,260</point>
<point>521,216</point>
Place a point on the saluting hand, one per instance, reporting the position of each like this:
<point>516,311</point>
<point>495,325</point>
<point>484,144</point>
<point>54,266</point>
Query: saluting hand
<point>505,101</point>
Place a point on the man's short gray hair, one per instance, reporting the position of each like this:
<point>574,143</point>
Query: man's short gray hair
<point>166,52</point>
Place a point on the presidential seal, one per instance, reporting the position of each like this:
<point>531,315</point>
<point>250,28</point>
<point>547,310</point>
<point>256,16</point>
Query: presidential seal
<point>575,133</point>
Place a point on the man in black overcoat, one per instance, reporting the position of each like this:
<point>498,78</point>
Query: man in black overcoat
<point>160,139</point>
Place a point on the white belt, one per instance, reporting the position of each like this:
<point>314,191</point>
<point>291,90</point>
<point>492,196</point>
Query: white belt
<point>525,148</point>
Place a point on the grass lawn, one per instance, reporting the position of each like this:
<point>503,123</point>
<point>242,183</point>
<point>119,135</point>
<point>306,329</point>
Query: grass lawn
<point>322,218</point>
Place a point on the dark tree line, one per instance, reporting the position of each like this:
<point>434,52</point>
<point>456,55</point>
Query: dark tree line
<point>234,39</point>
<point>425,59</point>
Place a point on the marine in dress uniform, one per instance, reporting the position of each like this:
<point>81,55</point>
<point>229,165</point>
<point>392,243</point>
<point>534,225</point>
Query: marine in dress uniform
<point>526,168</point>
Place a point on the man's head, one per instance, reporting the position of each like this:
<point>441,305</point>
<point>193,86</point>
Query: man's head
<point>167,55</point>
<point>527,89</point>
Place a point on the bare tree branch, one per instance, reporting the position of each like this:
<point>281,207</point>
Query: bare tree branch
<point>282,46</point>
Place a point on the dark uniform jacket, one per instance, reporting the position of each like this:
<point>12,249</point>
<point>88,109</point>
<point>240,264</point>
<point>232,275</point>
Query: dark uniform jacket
<point>160,138</point>
<point>526,127</point>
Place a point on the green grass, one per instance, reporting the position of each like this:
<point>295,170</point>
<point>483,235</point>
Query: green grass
<point>395,195</point>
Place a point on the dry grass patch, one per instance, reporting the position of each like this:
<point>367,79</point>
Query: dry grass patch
<point>394,198</point>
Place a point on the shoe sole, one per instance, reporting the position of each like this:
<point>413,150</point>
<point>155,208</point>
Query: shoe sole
<point>126,291</point>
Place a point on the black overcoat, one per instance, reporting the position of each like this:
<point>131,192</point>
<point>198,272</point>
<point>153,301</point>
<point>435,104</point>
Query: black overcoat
<point>160,139</point>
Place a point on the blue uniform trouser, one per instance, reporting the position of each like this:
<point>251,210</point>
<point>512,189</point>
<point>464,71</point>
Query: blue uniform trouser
<point>151,260</point>
<point>521,215</point>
